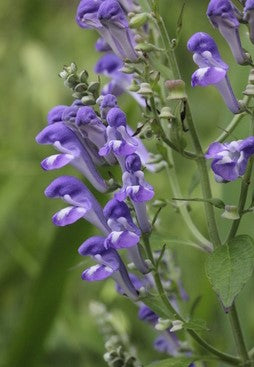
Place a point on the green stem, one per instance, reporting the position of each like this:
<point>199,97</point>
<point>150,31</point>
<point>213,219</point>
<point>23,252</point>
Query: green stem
<point>242,200</point>
<point>172,177</point>
<point>238,335</point>
<point>223,356</point>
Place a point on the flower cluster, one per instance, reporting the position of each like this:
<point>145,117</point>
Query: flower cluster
<point>229,159</point>
<point>87,139</point>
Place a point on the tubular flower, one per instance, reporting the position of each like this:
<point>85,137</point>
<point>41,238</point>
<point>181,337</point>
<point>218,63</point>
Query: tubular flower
<point>223,16</point>
<point>125,234</point>
<point>82,203</point>
<point>230,159</point>
<point>106,102</point>
<point>129,5</point>
<point>137,189</point>
<point>113,19</point>
<point>92,128</point>
<point>109,265</point>
<point>118,140</point>
<point>72,151</point>
<point>86,16</point>
<point>249,17</point>
<point>212,69</point>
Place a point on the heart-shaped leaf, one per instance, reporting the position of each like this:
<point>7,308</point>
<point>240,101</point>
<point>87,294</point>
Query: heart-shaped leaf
<point>230,266</point>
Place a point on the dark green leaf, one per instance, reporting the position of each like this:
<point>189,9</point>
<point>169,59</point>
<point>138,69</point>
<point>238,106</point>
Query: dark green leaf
<point>229,267</point>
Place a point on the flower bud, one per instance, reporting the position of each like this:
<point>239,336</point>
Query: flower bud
<point>138,20</point>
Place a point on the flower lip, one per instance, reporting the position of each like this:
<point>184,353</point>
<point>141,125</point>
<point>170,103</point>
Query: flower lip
<point>86,16</point>
<point>133,163</point>
<point>116,209</point>
<point>207,76</point>
<point>101,45</point>
<point>108,64</point>
<point>205,51</point>
<point>111,11</point>
<point>69,114</point>
<point>223,9</point>
<point>55,114</point>
<point>92,246</point>
<point>86,115</point>
<point>116,117</point>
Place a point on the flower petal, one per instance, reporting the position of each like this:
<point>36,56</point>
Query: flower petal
<point>68,215</point>
<point>96,273</point>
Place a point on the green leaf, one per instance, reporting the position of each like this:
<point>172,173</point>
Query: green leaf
<point>229,267</point>
<point>154,302</point>
<point>196,324</point>
<point>173,362</point>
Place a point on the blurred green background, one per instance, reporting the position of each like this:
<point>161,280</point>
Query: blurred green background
<point>44,315</point>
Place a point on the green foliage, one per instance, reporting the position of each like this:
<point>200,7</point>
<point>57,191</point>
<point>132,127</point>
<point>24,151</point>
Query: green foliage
<point>229,268</point>
<point>172,362</point>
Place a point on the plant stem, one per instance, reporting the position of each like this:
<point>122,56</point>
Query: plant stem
<point>172,177</point>
<point>231,127</point>
<point>223,356</point>
<point>238,335</point>
<point>242,200</point>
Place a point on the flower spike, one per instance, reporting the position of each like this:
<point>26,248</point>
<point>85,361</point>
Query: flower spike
<point>109,265</point>
<point>82,201</point>
<point>72,151</point>
<point>223,16</point>
<point>230,159</point>
<point>212,69</point>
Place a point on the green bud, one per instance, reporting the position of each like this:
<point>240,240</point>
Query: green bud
<point>177,325</point>
<point>176,89</point>
<point>138,20</point>
<point>84,76</point>
<point>251,76</point>
<point>162,324</point>
<point>71,81</point>
<point>231,212</point>
<point>128,70</point>
<point>249,91</point>
<point>146,47</point>
<point>88,101</point>
<point>63,74</point>
<point>134,87</point>
<point>166,113</point>
<point>81,88</point>
<point>93,87</point>
<point>145,89</point>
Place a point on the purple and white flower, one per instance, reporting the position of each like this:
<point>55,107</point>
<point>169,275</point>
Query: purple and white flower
<point>230,159</point>
<point>137,189</point>
<point>82,203</point>
<point>71,151</point>
<point>109,265</point>
<point>118,140</point>
<point>223,15</point>
<point>212,69</point>
<point>113,19</point>
<point>249,17</point>
<point>125,234</point>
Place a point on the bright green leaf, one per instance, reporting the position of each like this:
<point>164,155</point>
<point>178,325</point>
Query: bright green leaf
<point>229,267</point>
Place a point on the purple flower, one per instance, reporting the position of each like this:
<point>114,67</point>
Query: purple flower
<point>212,69</point>
<point>223,16</point>
<point>102,46</point>
<point>109,265</point>
<point>87,11</point>
<point>72,151</point>
<point>230,159</point>
<point>146,314</point>
<point>83,203</point>
<point>118,140</point>
<point>55,114</point>
<point>106,102</point>
<point>113,19</point>
<point>110,65</point>
<point>168,343</point>
<point>249,17</point>
<point>125,234</point>
<point>91,127</point>
<point>137,189</point>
